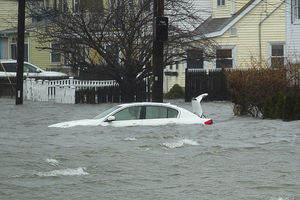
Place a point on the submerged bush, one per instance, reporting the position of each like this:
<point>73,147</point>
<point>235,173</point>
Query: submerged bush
<point>251,87</point>
<point>280,106</point>
<point>176,92</point>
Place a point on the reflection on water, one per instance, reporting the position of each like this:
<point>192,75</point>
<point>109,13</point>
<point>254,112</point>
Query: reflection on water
<point>236,158</point>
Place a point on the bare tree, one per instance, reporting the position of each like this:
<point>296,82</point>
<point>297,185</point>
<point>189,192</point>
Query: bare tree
<point>116,39</point>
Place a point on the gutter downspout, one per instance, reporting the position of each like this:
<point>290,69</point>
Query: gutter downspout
<point>259,29</point>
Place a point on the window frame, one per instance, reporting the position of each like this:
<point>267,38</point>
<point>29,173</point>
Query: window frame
<point>52,53</point>
<point>295,10</point>
<point>271,56</point>
<point>220,59</point>
<point>14,55</point>
<point>233,49</point>
<point>193,60</point>
<point>221,3</point>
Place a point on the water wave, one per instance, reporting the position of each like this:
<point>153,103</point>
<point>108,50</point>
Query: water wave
<point>180,143</point>
<point>130,139</point>
<point>280,198</point>
<point>64,172</point>
<point>52,161</point>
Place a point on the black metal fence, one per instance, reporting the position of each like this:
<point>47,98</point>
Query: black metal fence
<point>113,94</point>
<point>212,82</point>
<point>7,87</point>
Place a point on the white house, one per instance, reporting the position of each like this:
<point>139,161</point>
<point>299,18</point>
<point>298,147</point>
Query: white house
<point>292,47</point>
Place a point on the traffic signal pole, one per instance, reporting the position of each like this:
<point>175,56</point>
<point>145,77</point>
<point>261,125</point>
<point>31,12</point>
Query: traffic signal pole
<point>158,54</point>
<point>20,52</point>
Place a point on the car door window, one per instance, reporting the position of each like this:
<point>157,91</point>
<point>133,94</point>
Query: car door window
<point>131,113</point>
<point>29,68</point>
<point>157,112</point>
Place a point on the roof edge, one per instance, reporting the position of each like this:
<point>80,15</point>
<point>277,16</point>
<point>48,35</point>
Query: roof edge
<point>234,20</point>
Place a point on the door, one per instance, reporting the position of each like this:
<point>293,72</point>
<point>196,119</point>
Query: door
<point>130,116</point>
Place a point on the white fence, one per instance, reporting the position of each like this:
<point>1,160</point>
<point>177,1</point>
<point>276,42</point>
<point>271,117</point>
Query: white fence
<point>60,91</point>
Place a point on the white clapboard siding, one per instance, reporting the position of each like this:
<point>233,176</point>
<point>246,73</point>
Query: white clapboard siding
<point>292,47</point>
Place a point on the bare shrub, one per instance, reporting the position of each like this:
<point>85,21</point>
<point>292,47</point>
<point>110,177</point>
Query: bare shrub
<point>252,86</point>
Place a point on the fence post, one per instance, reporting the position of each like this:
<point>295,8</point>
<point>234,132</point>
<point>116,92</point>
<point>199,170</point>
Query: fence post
<point>45,91</point>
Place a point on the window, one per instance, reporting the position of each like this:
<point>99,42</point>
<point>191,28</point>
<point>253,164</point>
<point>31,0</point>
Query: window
<point>220,2</point>
<point>277,55</point>
<point>14,50</point>
<point>30,68</point>
<point>130,113</point>
<point>114,4</point>
<point>62,6</point>
<point>112,48</point>
<point>156,112</point>
<point>10,67</point>
<point>75,5</point>
<point>195,59</point>
<point>55,55</point>
<point>47,4</point>
<point>296,10</point>
<point>88,5</point>
<point>176,65</point>
<point>224,58</point>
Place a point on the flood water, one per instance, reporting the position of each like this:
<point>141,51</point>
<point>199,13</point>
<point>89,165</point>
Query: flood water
<point>237,158</point>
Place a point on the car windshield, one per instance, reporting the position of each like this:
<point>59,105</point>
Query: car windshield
<point>103,114</point>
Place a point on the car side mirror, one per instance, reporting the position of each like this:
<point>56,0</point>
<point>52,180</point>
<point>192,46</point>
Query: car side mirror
<point>38,71</point>
<point>111,118</point>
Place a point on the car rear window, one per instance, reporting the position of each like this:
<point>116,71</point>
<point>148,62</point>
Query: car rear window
<point>9,67</point>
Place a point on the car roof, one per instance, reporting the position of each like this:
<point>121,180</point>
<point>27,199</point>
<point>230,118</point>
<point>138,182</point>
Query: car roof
<point>149,104</point>
<point>8,60</point>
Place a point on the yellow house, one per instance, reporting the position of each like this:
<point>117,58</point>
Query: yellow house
<point>49,60</point>
<point>8,19</point>
<point>245,31</point>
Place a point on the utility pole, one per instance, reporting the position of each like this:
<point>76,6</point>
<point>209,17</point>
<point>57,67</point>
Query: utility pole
<point>20,52</point>
<point>158,54</point>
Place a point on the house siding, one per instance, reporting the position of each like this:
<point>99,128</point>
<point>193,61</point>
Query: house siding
<point>247,39</point>
<point>222,11</point>
<point>170,81</point>
<point>40,58</point>
<point>292,36</point>
<point>8,14</point>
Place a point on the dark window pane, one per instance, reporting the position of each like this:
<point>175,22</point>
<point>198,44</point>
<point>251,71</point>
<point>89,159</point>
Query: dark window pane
<point>10,67</point>
<point>224,58</point>
<point>13,51</point>
<point>195,59</point>
<point>55,55</point>
<point>298,9</point>
<point>224,53</point>
<point>277,50</point>
<point>224,63</point>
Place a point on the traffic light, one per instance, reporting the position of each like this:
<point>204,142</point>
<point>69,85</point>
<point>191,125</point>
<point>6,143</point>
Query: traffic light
<point>160,32</point>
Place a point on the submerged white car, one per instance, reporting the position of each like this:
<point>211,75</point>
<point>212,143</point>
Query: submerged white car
<point>144,114</point>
